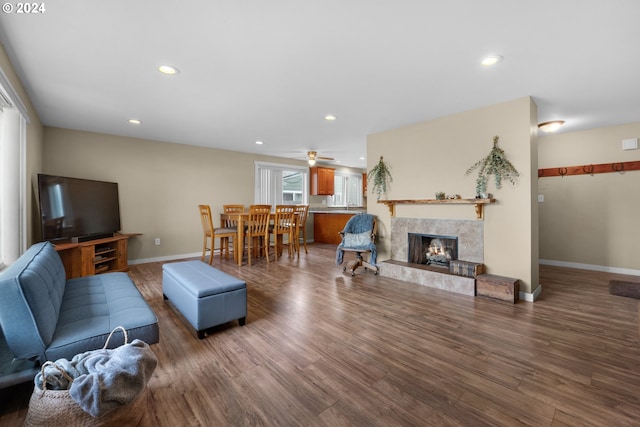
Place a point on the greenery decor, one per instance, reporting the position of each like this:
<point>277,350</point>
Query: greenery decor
<point>495,164</point>
<point>381,177</point>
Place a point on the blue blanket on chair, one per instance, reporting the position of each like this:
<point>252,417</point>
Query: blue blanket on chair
<point>357,235</point>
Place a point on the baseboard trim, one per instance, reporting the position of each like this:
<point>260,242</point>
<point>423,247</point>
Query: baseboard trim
<point>173,257</point>
<point>580,266</point>
<point>164,258</point>
<point>531,296</point>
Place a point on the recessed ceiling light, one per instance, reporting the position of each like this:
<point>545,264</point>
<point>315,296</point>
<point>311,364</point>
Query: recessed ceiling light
<point>168,70</point>
<point>259,142</point>
<point>135,121</point>
<point>330,117</point>
<point>491,60</point>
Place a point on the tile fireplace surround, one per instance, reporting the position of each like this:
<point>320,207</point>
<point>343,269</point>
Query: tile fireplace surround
<point>470,235</point>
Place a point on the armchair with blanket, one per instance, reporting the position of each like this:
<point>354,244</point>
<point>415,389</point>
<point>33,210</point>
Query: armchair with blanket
<point>358,236</point>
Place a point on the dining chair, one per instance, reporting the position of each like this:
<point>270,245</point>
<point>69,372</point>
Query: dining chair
<point>222,233</point>
<point>283,224</point>
<point>257,231</point>
<point>301,212</point>
<point>233,223</point>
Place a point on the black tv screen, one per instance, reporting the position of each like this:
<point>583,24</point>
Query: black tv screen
<point>73,208</point>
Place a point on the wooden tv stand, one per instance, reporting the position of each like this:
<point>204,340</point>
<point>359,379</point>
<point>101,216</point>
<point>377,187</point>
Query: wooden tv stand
<point>95,256</point>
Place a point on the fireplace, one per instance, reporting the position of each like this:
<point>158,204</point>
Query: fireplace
<point>470,247</point>
<point>432,249</point>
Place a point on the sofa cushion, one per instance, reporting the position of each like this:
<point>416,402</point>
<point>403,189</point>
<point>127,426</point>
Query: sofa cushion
<point>12,370</point>
<point>31,292</point>
<point>92,307</point>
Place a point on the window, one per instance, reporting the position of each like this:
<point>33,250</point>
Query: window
<point>13,232</point>
<point>278,184</point>
<point>347,189</point>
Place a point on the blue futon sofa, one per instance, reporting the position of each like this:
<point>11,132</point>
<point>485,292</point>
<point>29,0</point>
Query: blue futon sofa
<point>44,316</point>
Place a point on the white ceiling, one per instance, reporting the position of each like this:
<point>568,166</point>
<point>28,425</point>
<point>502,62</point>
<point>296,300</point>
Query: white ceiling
<point>271,70</point>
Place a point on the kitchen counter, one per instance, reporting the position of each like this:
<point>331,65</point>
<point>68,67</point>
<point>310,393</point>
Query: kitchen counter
<point>339,211</point>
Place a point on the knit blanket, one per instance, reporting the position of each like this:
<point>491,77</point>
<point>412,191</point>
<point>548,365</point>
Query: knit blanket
<point>357,235</point>
<point>105,379</point>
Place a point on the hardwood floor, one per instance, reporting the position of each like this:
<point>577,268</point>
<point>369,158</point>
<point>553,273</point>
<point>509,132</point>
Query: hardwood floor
<point>321,348</point>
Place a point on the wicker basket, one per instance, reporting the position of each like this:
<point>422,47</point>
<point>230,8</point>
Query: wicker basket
<point>53,408</point>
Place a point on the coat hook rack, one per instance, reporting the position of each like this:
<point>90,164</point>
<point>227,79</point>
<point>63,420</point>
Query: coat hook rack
<point>589,169</point>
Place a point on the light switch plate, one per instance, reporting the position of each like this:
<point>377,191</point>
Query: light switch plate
<point>630,144</point>
<point>540,198</point>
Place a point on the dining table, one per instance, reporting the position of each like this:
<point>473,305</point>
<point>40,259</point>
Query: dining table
<point>241,218</point>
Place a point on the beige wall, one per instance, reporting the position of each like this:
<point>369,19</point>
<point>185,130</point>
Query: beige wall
<point>434,155</point>
<point>34,149</point>
<point>588,219</point>
<point>160,184</point>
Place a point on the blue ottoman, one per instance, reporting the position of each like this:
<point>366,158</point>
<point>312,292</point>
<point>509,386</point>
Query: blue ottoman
<point>205,296</point>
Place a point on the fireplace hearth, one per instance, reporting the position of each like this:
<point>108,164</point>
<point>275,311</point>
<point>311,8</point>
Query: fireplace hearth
<point>470,247</point>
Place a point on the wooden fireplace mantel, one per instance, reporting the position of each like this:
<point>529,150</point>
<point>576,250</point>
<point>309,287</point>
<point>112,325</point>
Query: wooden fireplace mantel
<point>478,203</point>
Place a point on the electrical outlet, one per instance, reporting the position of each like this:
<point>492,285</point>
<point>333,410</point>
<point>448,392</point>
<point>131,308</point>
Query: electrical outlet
<point>541,198</point>
<point>157,241</point>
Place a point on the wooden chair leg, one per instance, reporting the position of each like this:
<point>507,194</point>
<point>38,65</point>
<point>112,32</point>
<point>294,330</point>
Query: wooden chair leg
<point>280,245</point>
<point>288,245</point>
<point>224,247</point>
<point>212,250</point>
<point>289,242</point>
<point>241,248</point>
<point>259,248</point>
<point>304,240</point>
<point>232,246</point>
<point>276,240</point>
<point>296,247</point>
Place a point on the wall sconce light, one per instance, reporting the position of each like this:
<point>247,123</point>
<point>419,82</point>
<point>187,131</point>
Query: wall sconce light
<point>551,126</point>
<point>312,157</point>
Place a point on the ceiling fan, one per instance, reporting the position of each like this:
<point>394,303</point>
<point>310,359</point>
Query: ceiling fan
<point>313,156</point>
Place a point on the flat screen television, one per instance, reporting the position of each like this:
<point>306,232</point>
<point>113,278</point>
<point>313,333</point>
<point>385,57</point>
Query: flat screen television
<point>74,209</point>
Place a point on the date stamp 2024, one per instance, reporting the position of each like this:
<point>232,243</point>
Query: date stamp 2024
<point>24,8</point>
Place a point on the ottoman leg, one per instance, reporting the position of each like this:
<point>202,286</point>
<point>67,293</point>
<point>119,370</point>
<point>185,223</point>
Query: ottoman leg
<point>200,334</point>
<point>242,321</point>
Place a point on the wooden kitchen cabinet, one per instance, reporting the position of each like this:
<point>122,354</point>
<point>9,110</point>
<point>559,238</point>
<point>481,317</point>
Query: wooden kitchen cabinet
<point>326,227</point>
<point>321,181</point>
<point>364,185</point>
